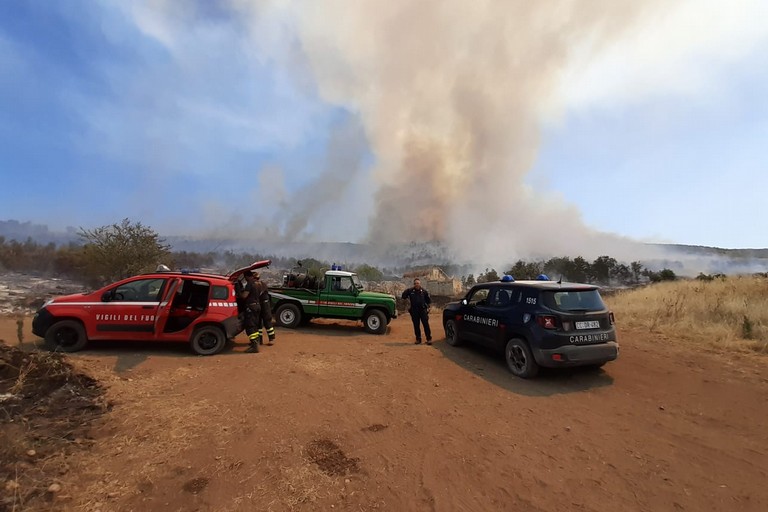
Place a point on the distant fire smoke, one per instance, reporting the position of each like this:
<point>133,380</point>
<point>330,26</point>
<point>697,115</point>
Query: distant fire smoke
<point>451,95</point>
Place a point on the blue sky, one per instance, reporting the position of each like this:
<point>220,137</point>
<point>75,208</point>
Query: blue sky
<point>208,118</point>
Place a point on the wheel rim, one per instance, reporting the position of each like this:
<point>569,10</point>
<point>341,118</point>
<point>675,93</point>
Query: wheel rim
<point>516,358</point>
<point>373,322</point>
<point>287,316</point>
<point>208,341</point>
<point>67,337</point>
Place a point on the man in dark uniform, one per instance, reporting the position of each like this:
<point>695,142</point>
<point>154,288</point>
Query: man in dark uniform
<point>266,309</point>
<point>249,293</point>
<point>419,310</point>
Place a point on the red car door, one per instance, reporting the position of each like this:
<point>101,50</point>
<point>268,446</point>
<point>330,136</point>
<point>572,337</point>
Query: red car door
<point>128,309</point>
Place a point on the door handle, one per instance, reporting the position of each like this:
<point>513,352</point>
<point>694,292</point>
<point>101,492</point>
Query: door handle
<point>147,307</point>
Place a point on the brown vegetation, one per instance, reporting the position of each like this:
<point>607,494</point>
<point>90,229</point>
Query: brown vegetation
<point>46,408</point>
<point>726,314</point>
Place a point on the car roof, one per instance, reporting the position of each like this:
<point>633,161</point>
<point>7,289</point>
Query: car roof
<point>185,274</point>
<point>542,285</point>
<point>343,273</point>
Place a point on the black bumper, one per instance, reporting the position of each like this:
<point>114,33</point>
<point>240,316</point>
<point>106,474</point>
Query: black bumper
<point>233,326</point>
<point>41,322</point>
<point>577,355</point>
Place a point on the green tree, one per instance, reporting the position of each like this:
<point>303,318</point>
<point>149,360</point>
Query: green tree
<point>470,281</point>
<point>637,270</point>
<point>582,270</point>
<point>526,269</point>
<point>488,276</point>
<point>369,273</point>
<point>602,268</point>
<point>622,274</point>
<point>121,250</point>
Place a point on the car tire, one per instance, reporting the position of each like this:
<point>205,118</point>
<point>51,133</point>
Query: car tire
<point>375,322</point>
<point>208,340</point>
<point>520,359</point>
<point>288,315</point>
<point>452,333</point>
<point>66,336</point>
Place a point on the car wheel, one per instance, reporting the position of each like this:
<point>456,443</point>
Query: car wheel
<point>288,315</point>
<point>66,336</point>
<point>208,340</point>
<point>375,322</point>
<point>520,360</point>
<point>452,333</point>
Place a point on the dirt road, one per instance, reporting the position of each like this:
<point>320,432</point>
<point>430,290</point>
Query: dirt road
<point>331,418</point>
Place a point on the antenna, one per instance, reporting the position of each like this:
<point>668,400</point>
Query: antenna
<point>560,281</point>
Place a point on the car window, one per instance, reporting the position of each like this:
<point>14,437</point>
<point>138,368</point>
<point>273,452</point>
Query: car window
<point>479,297</point>
<point>220,293</point>
<point>574,300</point>
<point>501,297</point>
<point>346,284</point>
<point>141,290</point>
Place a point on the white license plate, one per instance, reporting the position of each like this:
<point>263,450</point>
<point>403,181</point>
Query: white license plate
<point>592,324</point>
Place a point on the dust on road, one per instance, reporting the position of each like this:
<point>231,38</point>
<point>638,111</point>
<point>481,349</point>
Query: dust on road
<point>332,418</point>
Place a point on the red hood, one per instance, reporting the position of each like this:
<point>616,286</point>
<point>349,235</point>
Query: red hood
<point>253,266</point>
<point>75,297</point>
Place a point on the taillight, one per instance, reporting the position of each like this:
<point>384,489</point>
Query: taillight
<point>610,318</point>
<point>547,321</point>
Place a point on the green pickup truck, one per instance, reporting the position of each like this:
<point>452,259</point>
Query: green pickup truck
<point>339,295</point>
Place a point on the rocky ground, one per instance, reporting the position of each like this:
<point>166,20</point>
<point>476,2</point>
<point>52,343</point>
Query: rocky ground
<point>24,293</point>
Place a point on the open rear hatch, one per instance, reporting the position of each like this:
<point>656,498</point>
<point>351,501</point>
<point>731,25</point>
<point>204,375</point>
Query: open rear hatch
<point>234,276</point>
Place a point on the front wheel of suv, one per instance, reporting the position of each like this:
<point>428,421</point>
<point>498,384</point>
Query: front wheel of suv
<point>520,360</point>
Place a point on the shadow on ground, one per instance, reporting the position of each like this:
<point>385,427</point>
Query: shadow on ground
<point>490,366</point>
<point>130,354</point>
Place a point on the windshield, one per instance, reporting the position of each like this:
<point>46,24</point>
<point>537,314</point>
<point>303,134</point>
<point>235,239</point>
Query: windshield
<point>356,282</point>
<point>574,300</point>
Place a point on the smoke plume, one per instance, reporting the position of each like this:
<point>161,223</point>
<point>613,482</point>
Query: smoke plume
<point>452,95</point>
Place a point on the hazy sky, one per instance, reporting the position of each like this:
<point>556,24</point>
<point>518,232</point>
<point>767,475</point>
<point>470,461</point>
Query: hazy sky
<point>296,119</point>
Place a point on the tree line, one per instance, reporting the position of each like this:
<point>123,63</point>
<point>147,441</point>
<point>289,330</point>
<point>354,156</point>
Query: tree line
<point>604,270</point>
<point>108,253</point>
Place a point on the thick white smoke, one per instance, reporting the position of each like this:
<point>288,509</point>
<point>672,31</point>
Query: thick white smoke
<point>451,95</point>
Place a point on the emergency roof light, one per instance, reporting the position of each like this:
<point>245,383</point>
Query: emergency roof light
<point>507,279</point>
<point>542,277</point>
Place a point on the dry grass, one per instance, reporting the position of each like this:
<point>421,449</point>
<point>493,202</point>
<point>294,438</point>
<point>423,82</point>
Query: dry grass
<point>729,314</point>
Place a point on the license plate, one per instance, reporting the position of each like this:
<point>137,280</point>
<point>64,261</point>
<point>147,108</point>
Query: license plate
<point>592,324</point>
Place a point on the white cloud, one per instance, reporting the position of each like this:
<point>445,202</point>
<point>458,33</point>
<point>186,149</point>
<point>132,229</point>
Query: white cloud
<point>680,48</point>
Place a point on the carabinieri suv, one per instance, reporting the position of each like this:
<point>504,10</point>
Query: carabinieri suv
<point>535,323</point>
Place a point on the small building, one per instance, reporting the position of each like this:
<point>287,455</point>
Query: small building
<point>436,281</point>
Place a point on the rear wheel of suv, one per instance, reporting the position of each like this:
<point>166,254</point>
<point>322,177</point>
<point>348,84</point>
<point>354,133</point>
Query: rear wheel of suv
<point>288,315</point>
<point>520,359</point>
<point>452,333</point>
<point>208,340</point>
<point>66,336</point>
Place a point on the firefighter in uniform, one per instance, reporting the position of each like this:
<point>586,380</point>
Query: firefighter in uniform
<point>266,309</point>
<point>249,293</point>
<point>419,310</point>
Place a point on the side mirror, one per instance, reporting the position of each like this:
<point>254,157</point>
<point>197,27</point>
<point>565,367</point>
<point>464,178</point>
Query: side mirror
<point>463,302</point>
<point>106,296</point>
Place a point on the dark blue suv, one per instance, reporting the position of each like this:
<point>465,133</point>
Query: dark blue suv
<point>536,323</point>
